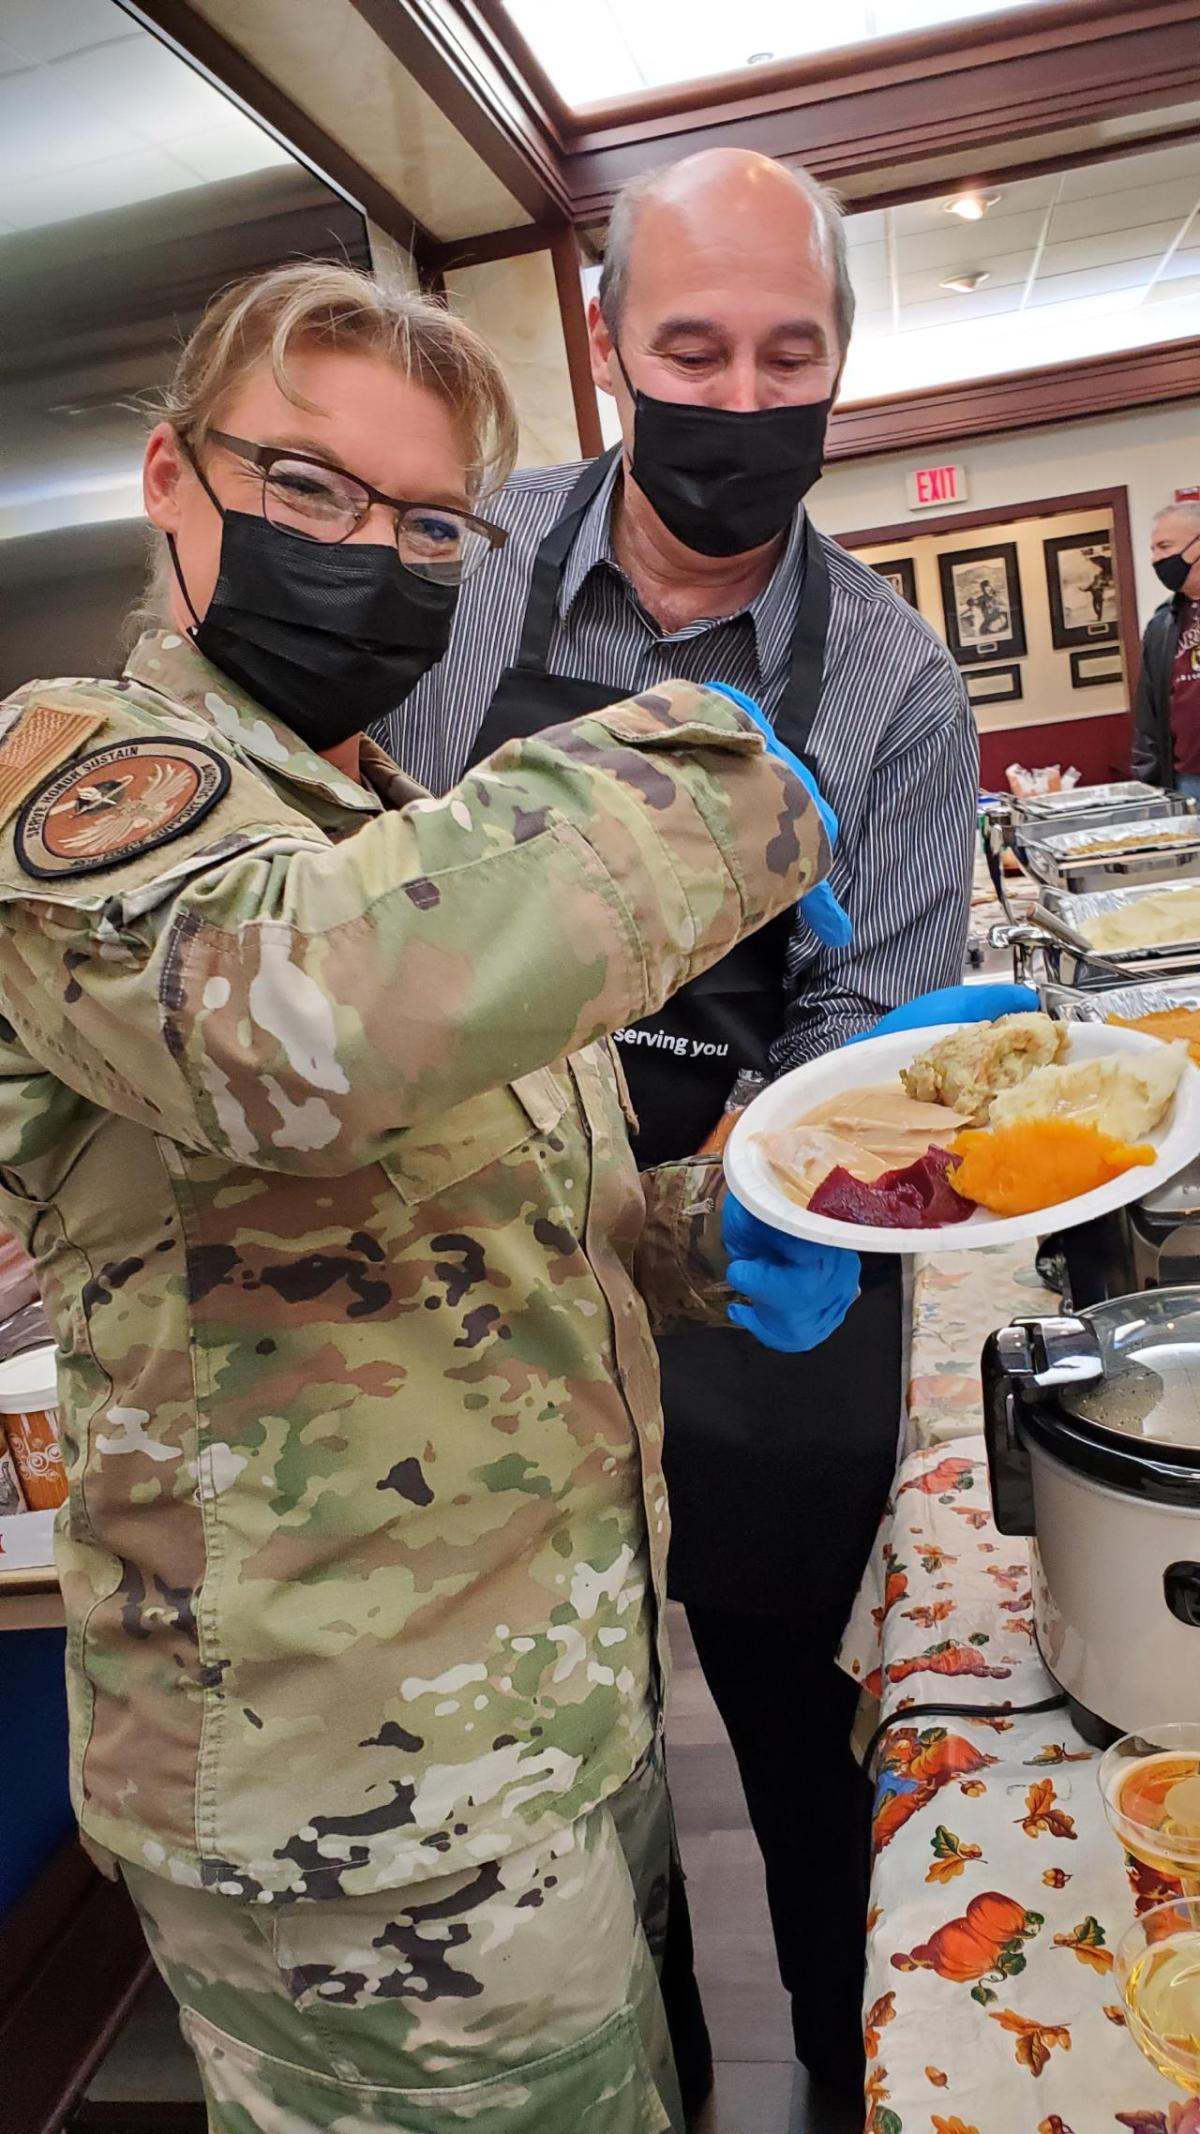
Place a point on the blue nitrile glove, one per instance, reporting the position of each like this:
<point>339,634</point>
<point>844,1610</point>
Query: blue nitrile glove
<point>820,909</point>
<point>956,1004</point>
<point>798,1292</point>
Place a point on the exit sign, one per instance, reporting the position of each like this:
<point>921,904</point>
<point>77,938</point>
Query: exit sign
<point>1188,496</point>
<point>936,485</point>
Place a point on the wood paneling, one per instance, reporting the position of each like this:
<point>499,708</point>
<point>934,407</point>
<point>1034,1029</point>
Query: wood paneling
<point>564,252</point>
<point>973,88</point>
<point>1020,400</point>
<point>451,52</point>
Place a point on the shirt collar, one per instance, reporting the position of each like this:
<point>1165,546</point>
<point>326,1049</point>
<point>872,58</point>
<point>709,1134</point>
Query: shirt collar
<point>166,661</point>
<point>592,549</point>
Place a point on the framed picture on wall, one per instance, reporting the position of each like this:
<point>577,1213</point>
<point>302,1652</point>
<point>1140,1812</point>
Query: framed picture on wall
<point>994,685</point>
<point>1082,588</point>
<point>981,601</point>
<point>901,575</point>
<point>1094,670</point>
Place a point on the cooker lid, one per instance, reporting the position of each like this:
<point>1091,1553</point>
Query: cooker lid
<point>1149,1387</point>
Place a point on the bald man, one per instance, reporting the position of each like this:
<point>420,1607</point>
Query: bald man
<point>1166,719</point>
<point>720,331</point>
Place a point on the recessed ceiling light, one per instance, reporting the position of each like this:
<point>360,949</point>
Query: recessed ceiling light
<point>971,278</point>
<point>758,59</point>
<point>971,205</point>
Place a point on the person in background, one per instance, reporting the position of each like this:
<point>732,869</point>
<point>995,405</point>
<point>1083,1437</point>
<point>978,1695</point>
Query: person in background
<point>307,1122</point>
<point>721,328</point>
<point>1166,718</point>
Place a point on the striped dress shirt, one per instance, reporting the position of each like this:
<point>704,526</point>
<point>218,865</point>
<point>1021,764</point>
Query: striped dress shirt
<point>893,739</point>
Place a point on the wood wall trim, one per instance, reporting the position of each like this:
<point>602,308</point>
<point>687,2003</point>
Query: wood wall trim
<point>564,252</point>
<point>1073,65</point>
<point>196,41</point>
<point>949,524</point>
<point>1019,400</point>
<point>453,56</point>
<point>497,244</point>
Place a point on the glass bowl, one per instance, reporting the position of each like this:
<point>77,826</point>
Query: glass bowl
<point>1150,1784</point>
<point>1158,1971</point>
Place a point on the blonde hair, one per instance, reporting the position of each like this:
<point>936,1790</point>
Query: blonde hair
<point>318,303</point>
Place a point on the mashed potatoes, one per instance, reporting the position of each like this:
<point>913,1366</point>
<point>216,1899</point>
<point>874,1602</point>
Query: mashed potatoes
<point>967,1069</point>
<point>1148,922</point>
<point>1124,1097</point>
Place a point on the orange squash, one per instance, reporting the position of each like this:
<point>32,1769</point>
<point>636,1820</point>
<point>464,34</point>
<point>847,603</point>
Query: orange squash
<point>1036,1163</point>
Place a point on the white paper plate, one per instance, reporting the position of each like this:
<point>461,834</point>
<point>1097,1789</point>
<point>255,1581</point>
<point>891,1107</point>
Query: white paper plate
<point>879,1059</point>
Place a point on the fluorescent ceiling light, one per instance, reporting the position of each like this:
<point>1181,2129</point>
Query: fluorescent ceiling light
<point>970,279</point>
<point>971,205</point>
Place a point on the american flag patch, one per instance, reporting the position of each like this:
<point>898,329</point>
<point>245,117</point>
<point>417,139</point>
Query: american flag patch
<point>41,740</point>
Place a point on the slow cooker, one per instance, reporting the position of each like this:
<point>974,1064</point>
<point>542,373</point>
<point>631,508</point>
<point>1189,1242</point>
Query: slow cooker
<point>1093,1437</point>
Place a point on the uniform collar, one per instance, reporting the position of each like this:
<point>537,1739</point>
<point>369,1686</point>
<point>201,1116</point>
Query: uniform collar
<point>592,549</point>
<point>165,661</point>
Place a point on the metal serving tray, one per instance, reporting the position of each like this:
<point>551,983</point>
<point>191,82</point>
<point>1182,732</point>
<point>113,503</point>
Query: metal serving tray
<point>1127,792</point>
<point>1067,1004</point>
<point>1143,849</point>
<point>1058,964</point>
<point>1005,829</point>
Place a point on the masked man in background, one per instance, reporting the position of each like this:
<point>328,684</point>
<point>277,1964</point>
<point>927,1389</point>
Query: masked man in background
<point>721,329</point>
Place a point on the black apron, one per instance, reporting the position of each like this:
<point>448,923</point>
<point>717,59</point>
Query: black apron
<point>777,1466</point>
<point>681,1063</point>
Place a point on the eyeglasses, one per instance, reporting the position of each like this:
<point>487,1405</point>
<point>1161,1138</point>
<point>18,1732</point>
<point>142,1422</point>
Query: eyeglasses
<point>320,502</point>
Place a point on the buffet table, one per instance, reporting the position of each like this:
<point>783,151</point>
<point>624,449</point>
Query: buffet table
<point>998,1890</point>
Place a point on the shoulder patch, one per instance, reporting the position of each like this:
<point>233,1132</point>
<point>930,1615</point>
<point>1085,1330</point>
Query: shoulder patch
<point>116,803</point>
<point>42,739</point>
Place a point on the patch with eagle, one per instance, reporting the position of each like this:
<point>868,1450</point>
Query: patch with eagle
<point>116,804</point>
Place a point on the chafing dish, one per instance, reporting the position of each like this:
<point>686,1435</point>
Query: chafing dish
<point>1152,839</point>
<point>1082,799</point>
<point>1054,944</point>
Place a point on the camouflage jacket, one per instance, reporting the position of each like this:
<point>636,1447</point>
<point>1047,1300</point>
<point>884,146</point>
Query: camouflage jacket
<point>305,1119</point>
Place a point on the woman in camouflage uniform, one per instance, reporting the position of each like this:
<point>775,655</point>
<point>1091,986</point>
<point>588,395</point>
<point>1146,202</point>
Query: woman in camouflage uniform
<point>308,1116</point>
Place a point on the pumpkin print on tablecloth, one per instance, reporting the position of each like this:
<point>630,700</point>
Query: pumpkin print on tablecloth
<point>986,1943</point>
<point>914,1769</point>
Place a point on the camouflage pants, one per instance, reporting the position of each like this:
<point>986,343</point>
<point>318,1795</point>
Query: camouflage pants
<point>518,1997</point>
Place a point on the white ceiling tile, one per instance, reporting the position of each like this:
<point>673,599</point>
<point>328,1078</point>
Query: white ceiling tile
<point>1136,208</point>
<point>1186,261</point>
<point>1026,196</point>
<point>1173,289</point>
<point>229,151</point>
<point>952,309</point>
<point>1154,166</point>
<point>1009,270</point>
<point>864,229</point>
<point>1109,248</point>
<point>62,195</point>
<point>46,29</point>
<point>969,244</point>
<point>1087,282</point>
<point>43,127</point>
<point>145,88</point>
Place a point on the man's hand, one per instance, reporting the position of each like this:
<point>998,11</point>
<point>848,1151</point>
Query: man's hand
<point>797,1293</point>
<point>820,909</point>
<point>956,1004</point>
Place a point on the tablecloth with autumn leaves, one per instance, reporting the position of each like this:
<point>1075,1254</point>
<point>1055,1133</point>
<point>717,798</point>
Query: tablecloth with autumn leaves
<point>999,1893</point>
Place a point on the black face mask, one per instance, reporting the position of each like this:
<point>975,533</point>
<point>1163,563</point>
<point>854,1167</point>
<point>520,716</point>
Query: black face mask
<point>1173,571</point>
<point>721,481</point>
<point>329,636</point>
